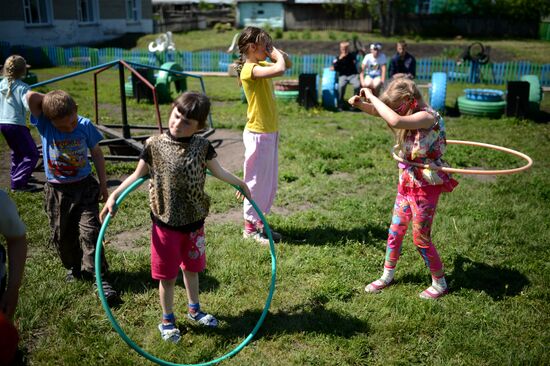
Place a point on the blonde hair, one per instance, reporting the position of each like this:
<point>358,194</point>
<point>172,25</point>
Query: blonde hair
<point>58,104</point>
<point>402,90</point>
<point>15,68</point>
<point>249,36</point>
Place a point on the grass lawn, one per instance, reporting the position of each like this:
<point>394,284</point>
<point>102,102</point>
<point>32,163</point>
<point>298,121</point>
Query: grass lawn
<point>336,190</point>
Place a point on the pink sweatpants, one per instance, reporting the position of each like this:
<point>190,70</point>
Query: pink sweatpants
<point>260,171</point>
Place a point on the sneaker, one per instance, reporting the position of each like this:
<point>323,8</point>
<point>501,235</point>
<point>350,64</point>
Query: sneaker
<point>259,237</point>
<point>204,319</point>
<point>27,188</point>
<point>169,332</point>
<point>73,275</point>
<point>110,294</point>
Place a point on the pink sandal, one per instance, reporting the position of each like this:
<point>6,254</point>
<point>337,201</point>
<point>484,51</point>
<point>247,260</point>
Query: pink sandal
<point>431,293</point>
<point>377,286</point>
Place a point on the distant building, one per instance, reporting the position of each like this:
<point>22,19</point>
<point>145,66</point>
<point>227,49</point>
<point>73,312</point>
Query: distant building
<point>303,14</point>
<point>71,22</point>
<point>261,13</point>
<point>184,15</point>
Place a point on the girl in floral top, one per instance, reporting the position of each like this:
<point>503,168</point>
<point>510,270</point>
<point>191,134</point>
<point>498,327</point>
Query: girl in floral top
<point>420,133</point>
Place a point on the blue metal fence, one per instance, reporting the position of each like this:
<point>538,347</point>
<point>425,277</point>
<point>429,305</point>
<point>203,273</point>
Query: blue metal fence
<point>218,61</point>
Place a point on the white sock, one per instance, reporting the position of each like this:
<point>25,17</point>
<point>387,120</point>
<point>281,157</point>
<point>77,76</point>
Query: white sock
<point>439,284</point>
<point>388,274</point>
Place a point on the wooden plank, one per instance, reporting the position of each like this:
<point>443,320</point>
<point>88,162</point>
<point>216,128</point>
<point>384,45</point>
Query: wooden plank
<point>115,134</point>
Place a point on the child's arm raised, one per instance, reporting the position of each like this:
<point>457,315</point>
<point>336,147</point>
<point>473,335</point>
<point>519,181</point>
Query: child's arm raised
<point>222,174</point>
<point>288,61</point>
<point>276,69</point>
<point>421,119</point>
<point>357,102</point>
<point>142,169</point>
<point>99,163</point>
<point>34,101</point>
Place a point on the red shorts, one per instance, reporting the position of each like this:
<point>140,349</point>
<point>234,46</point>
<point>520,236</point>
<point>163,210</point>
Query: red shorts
<point>171,250</point>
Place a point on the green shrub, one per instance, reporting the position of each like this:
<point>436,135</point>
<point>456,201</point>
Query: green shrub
<point>222,27</point>
<point>278,33</point>
<point>451,52</point>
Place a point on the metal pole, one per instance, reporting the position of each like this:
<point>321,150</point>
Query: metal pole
<point>125,127</point>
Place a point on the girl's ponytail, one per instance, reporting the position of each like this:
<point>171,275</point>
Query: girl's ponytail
<point>15,68</point>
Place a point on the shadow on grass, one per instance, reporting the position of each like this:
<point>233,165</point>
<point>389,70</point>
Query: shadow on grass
<point>497,282</point>
<point>328,235</point>
<point>141,281</point>
<point>542,117</point>
<point>316,320</point>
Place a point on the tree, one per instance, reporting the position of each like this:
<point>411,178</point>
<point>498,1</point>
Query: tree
<point>387,12</point>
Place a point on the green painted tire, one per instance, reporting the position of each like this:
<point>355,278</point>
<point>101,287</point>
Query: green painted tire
<point>286,95</point>
<point>480,108</point>
<point>165,79</point>
<point>535,92</point>
<point>129,89</point>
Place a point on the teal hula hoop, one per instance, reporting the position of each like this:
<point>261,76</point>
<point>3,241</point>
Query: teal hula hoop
<point>121,332</point>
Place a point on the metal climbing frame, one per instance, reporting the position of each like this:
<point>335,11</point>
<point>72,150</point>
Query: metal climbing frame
<point>122,145</point>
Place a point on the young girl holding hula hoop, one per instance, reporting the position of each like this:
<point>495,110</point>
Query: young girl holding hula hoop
<point>177,162</point>
<point>420,133</point>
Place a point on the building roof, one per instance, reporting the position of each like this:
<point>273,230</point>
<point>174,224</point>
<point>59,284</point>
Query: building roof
<point>177,2</point>
<point>259,1</point>
<point>294,1</point>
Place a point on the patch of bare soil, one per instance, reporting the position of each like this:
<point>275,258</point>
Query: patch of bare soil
<point>418,50</point>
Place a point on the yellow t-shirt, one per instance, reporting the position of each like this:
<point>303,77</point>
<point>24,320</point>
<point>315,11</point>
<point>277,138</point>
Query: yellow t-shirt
<point>262,112</point>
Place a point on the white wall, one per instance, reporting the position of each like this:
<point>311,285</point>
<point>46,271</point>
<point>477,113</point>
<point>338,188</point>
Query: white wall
<point>69,32</point>
<point>261,13</point>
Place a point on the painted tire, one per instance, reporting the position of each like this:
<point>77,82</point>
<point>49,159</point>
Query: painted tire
<point>286,95</point>
<point>480,108</point>
<point>484,95</point>
<point>535,92</point>
<point>329,89</point>
<point>165,79</point>
<point>129,89</point>
<point>438,91</point>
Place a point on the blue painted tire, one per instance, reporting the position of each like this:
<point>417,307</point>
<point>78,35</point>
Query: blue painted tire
<point>438,91</point>
<point>329,85</point>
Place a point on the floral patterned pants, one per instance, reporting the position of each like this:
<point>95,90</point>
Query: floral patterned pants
<point>421,209</point>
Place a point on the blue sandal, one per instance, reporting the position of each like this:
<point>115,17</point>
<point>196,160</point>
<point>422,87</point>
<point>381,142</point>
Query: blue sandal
<point>204,319</point>
<point>169,332</point>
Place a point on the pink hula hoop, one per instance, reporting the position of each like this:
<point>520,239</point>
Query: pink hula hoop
<point>472,171</point>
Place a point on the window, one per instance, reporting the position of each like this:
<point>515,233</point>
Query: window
<point>424,6</point>
<point>37,12</point>
<point>87,11</point>
<point>133,10</point>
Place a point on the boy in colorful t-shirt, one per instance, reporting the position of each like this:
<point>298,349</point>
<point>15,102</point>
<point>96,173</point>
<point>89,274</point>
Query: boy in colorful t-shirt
<point>71,192</point>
